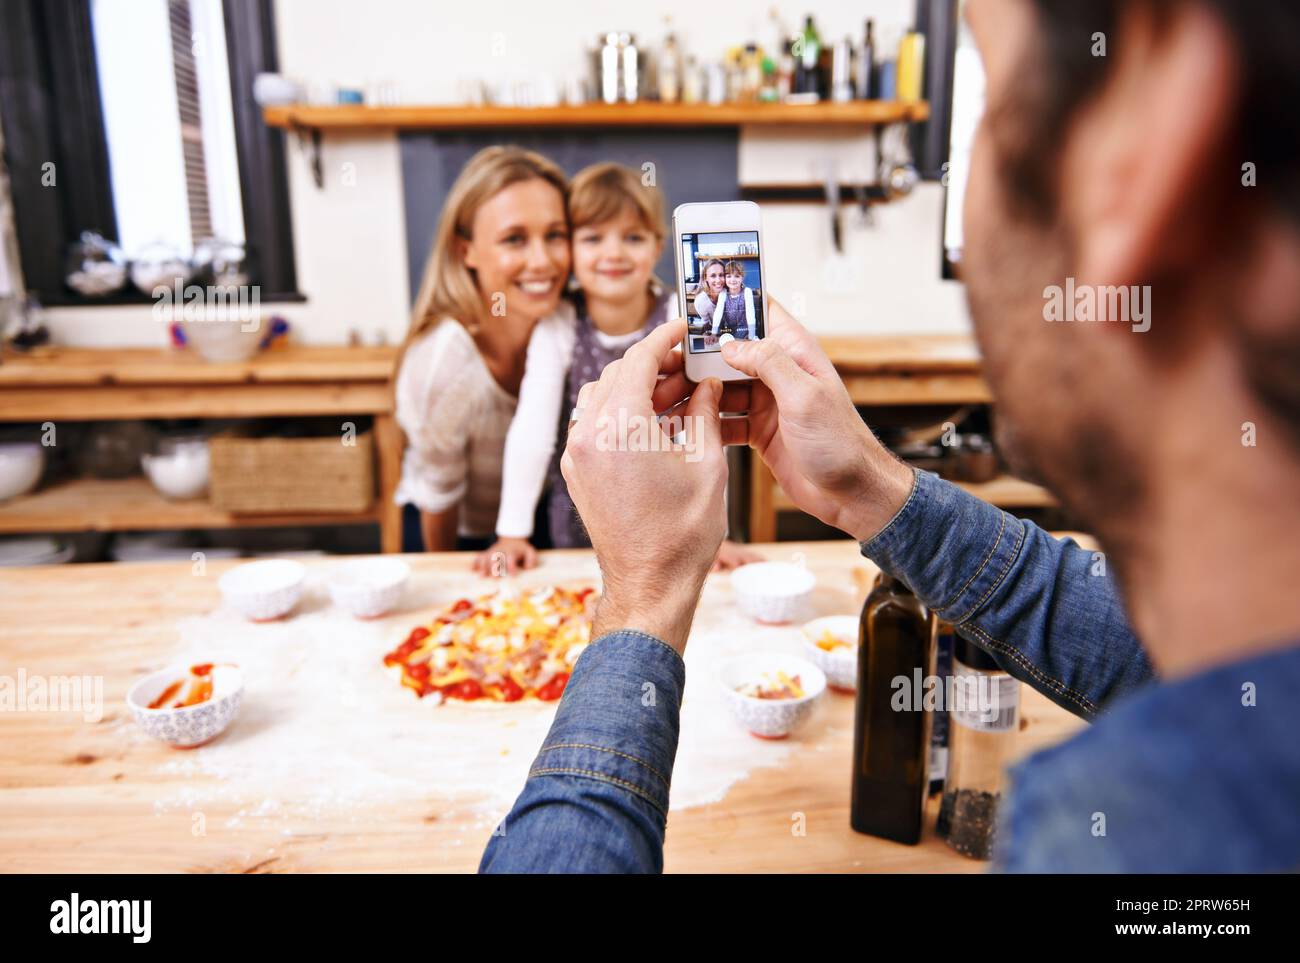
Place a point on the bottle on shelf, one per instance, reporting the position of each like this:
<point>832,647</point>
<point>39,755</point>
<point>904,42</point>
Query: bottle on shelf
<point>891,730</point>
<point>692,82</point>
<point>807,74</point>
<point>842,72</point>
<point>631,64</point>
<point>911,67</point>
<point>609,59</point>
<point>669,72</point>
<point>867,84</point>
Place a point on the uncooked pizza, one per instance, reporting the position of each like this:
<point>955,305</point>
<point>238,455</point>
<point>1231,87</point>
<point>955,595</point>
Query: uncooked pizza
<point>505,646</point>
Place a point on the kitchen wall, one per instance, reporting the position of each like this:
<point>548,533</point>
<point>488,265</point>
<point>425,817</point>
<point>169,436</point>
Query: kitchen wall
<point>350,238</point>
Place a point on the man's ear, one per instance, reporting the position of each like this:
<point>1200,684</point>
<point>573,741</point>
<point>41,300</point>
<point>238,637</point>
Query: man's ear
<point>1145,152</point>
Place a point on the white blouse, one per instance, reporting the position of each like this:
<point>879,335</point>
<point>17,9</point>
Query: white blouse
<point>455,416</point>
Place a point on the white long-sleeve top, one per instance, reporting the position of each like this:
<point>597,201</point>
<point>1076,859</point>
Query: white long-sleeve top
<point>531,440</point>
<point>456,418</point>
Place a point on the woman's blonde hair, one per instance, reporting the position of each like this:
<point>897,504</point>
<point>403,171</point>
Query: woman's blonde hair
<point>602,191</point>
<point>449,289</point>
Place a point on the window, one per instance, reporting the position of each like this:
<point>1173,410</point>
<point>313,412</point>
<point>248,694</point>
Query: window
<point>135,119</point>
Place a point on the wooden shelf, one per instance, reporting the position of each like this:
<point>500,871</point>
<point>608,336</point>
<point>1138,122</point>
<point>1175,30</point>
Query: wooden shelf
<point>104,505</point>
<point>861,113</point>
<point>1005,492</point>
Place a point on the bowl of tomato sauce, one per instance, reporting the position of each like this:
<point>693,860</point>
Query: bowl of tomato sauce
<point>189,705</point>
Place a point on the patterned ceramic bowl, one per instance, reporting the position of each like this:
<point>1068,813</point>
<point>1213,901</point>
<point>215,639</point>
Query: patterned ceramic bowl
<point>194,725</point>
<point>369,587</point>
<point>773,592</point>
<point>770,718</point>
<point>841,663</point>
<point>265,590</point>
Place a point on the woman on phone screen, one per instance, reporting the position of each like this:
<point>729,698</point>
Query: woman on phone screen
<point>712,282</point>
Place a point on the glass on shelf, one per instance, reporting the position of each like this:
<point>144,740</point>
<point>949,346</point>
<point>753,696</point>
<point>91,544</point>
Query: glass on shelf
<point>95,266</point>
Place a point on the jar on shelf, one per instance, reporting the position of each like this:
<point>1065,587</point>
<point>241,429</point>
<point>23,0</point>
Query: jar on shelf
<point>984,714</point>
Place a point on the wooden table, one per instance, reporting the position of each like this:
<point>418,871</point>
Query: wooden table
<point>80,797</point>
<point>892,371</point>
<point>96,384</point>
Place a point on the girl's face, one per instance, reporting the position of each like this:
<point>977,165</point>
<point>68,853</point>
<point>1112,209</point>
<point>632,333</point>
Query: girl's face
<point>615,258</point>
<point>735,282</point>
<point>519,250</point>
<point>713,278</point>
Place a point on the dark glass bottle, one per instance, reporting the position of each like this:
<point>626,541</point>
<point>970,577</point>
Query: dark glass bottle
<point>868,88</point>
<point>807,67</point>
<point>891,731</point>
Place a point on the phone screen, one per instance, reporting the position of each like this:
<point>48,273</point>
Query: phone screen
<point>723,289</point>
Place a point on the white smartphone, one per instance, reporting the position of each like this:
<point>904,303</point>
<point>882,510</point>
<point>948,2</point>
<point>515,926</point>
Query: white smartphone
<point>720,274</point>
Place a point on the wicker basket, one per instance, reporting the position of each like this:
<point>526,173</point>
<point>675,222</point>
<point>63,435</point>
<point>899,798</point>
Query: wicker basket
<point>283,475</point>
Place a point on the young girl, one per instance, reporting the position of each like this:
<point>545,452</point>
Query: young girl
<point>499,263</point>
<point>618,234</point>
<point>734,312</point>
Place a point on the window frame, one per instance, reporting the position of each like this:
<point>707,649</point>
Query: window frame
<point>51,111</point>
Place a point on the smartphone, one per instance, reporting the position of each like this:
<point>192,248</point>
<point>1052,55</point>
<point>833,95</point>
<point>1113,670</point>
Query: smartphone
<point>720,274</point>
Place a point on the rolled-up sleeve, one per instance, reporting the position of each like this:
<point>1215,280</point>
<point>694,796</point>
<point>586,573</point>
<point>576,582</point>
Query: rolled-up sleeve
<point>1046,609</point>
<point>596,799</point>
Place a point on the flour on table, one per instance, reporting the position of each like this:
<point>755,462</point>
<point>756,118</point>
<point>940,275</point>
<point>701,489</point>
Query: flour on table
<point>326,728</point>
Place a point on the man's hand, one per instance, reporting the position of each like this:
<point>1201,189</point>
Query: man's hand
<point>804,426</point>
<point>654,510</point>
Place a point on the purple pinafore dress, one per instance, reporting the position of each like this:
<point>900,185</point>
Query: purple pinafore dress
<point>588,361</point>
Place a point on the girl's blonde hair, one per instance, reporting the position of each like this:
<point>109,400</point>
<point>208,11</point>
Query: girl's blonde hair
<point>602,191</point>
<point>449,289</point>
<point>733,268</point>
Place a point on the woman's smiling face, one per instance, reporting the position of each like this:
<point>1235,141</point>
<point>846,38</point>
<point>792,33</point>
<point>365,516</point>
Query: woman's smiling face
<point>519,249</point>
<point>713,278</point>
<point>735,282</point>
<point>614,259</point>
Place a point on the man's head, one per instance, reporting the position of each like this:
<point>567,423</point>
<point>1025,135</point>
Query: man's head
<point>1139,160</point>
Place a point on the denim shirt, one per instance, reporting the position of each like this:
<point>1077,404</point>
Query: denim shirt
<point>1197,775</point>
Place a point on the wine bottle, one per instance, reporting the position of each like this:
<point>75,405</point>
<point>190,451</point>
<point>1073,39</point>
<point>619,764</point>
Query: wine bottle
<point>891,730</point>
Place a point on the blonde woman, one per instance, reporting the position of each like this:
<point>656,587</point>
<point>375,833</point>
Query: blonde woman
<point>712,281</point>
<point>499,263</point>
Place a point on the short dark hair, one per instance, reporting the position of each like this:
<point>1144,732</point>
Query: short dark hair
<point>1065,75</point>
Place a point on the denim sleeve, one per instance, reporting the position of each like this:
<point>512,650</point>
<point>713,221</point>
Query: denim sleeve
<point>596,799</point>
<point>1047,610</point>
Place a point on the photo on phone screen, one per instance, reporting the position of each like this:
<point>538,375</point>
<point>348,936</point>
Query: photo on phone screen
<point>723,289</point>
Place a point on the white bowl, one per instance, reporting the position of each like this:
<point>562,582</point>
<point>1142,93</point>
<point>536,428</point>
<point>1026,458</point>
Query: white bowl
<point>770,718</point>
<point>220,340</point>
<point>840,665</point>
<point>773,592</point>
<point>264,590</point>
<point>369,587</point>
<point>21,464</point>
<point>194,725</point>
<point>180,473</point>
<point>35,550</point>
